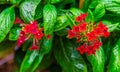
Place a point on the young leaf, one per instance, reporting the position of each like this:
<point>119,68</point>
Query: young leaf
<point>97,61</point>
<point>7,18</point>
<point>27,10</point>
<point>99,11</point>
<point>14,33</point>
<point>68,57</point>
<point>49,17</point>
<point>114,63</point>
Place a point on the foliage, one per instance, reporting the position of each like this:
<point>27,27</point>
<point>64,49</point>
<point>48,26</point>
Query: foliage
<point>55,51</point>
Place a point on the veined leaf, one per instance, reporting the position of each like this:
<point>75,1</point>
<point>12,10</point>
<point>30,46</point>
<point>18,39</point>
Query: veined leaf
<point>114,63</point>
<point>7,18</point>
<point>27,10</point>
<point>99,11</point>
<point>49,17</point>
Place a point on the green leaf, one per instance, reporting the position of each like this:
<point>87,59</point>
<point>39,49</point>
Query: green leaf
<point>75,11</point>
<point>31,61</point>
<point>94,4</point>
<point>114,63</point>
<point>15,1</point>
<point>38,12</point>
<point>14,33</point>
<point>56,1</point>
<point>27,10</point>
<point>46,44</point>
<point>61,23</point>
<point>99,11</point>
<point>49,17</point>
<point>90,16</point>
<point>33,58</point>
<point>68,57</point>
<point>97,61</point>
<point>7,18</point>
<point>113,6</point>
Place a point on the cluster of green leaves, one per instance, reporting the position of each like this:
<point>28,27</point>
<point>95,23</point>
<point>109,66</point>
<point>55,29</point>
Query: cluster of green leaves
<point>59,53</point>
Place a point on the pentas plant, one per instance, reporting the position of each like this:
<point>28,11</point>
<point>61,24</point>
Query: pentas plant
<point>31,30</point>
<point>88,34</point>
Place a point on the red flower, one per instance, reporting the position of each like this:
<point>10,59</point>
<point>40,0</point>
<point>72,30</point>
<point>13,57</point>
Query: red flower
<point>106,33</point>
<point>82,26</point>
<point>84,15</point>
<point>71,34</point>
<point>21,39</point>
<point>90,50</point>
<point>39,34</point>
<point>88,34</point>
<point>76,29</point>
<point>31,28</point>
<point>48,36</point>
<point>17,21</point>
<point>104,29</point>
<point>98,31</point>
<point>34,47</point>
<point>81,17</point>
<point>81,49</point>
<point>97,44</point>
<point>26,29</point>
<point>101,25</point>
<point>91,36</point>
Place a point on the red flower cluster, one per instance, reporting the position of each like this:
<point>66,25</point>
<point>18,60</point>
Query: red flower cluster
<point>30,30</point>
<point>88,34</point>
